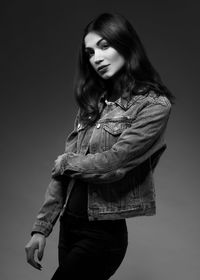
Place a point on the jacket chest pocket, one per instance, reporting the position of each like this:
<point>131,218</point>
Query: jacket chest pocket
<point>112,130</point>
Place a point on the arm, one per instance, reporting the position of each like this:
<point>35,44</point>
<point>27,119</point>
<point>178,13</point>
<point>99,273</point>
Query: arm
<point>71,142</point>
<point>45,220</point>
<point>134,146</point>
<point>51,208</point>
<point>55,194</point>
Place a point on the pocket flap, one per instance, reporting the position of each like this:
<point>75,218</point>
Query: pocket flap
<point>115,128</point>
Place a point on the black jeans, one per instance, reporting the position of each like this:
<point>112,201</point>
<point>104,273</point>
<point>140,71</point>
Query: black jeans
<point>91,250</point>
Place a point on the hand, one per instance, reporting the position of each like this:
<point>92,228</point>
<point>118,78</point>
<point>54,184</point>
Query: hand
<point>37,242</point>
<point>57,166</point>
<point>58,161</point>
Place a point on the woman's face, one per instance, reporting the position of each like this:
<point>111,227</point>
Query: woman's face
<point>105,60</point>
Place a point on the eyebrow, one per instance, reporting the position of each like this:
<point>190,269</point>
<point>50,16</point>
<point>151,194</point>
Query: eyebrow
<point>98,42</point>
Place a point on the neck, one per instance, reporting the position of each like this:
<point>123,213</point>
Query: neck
<point>114,93</point>
<point>113,89</point>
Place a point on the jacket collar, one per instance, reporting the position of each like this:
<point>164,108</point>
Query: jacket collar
<point>121,100</point>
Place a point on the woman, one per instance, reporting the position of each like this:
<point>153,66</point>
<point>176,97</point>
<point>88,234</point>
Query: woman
<point>106,172</point>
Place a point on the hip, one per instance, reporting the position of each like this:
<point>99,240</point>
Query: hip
<point>111,234</point>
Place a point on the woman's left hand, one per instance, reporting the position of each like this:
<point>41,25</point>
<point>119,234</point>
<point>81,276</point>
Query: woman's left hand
<point>57,166</point>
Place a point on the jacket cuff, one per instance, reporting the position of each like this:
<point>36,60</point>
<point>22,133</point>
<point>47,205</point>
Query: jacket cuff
<point>42,227</point>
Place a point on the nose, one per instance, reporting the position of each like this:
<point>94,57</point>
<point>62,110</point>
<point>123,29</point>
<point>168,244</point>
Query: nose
<point>98,58</point>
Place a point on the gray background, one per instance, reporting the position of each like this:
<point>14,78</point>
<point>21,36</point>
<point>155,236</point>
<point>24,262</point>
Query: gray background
<point>39,42</point>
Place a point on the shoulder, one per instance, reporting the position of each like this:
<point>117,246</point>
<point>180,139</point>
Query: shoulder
<point>155,98</point>
<point>151,104</point>
<point>151,98</point>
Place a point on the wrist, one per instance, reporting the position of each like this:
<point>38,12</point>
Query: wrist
<point>36,233</point>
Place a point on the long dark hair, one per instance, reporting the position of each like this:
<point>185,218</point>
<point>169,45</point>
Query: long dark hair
<point>138,75</point>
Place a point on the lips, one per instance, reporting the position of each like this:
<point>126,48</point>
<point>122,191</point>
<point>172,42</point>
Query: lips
<point>102,67</point>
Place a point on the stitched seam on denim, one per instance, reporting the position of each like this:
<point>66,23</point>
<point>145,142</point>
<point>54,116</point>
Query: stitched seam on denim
<point>113,168</point>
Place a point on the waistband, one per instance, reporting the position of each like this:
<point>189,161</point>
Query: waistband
<point>118,225</point>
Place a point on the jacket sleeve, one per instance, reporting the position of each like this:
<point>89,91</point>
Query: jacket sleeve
<point>71,142</point>
<point>55,194</point>
<point>136,144</point>
<point>50,210</point>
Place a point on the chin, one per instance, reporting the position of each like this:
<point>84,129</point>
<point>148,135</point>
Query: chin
<point>107,76</point>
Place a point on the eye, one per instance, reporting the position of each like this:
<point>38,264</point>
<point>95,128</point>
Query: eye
<point>104,45</point>
<point>89,52</point>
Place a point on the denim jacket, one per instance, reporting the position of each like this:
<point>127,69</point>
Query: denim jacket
<point>116,157</point>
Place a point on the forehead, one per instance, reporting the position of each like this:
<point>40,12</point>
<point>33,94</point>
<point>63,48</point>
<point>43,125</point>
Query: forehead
<point>91,39</point>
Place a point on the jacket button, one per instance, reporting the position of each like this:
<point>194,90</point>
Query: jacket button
<point>98,125</point>
<point>79,126</point>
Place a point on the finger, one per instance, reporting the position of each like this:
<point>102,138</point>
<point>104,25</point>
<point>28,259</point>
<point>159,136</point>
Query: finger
<point>57,162</point>
<point>30,258</point>
<point>41,250</point>
<point>58,158</point>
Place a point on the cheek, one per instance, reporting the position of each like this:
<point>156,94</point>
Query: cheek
<point>116,58</point>
<point>91,62</point>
